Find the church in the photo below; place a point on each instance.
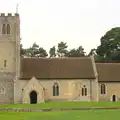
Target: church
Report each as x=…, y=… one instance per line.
x=37, y=80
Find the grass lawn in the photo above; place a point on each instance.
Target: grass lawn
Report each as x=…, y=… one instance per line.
x=72, y=115
x=64, y=105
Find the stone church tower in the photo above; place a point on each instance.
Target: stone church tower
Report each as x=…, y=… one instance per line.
x=9, y=55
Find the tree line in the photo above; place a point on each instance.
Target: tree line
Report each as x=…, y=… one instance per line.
x=60, y=51
x=108, y=50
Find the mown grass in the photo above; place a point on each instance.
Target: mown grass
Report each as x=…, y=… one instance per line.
x=64, y=105
x=68, y=115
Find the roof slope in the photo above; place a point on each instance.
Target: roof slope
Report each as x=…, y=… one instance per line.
x=48, y=68
x=108, y=72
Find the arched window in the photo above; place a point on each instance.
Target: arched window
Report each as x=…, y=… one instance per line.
x=8, y=29
x=103, y=89
x=3, y=29
x=84, y=91
x=5, y=63
x=55, y=89
x=114, y=98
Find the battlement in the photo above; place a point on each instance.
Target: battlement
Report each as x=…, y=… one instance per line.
x=9, y=14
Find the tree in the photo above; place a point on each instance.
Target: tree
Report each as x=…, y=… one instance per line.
x=92, y=52
x=42, y=52
x=95, y=55
x=62, y=49
x=52, y=52
x=109, y=49
x=72, y=53
x=33, y=51
x=79, y=52
x=22, y=50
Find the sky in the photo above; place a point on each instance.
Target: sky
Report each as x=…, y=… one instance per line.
x=76, y=22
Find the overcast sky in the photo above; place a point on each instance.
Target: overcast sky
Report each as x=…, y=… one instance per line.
x=77, y=22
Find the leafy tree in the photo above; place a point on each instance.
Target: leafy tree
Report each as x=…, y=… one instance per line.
x=79, y=52
x=95, y=55
x=29, y=52
x=62, y=49
x=42, y=52
x=72, y=53
x=92, y=52
x=52, y=52
x=22, y=50
x=33, y=51
x=109, y=49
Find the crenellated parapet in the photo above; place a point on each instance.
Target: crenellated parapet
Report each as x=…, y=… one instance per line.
x=9, y=14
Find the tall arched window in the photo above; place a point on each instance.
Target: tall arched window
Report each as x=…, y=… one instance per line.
x=84, y=91
x=103, y=89
x=8, y=29
x=3, y=29
x=5, y=63
x=55, y=89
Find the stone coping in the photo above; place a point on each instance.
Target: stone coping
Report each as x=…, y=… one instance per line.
x=53, y=109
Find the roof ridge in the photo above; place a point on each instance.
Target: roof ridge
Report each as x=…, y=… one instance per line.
x=107, y=63
x=58, y=58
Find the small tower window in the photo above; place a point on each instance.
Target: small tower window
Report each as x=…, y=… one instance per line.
x=8, y=29
x=3, y=29
x=5, y=63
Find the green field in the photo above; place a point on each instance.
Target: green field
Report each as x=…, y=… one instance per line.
x=64, y=105
x=73, y=115
x=66, y=115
